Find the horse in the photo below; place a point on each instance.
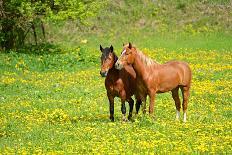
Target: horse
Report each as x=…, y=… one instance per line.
x=118, y=83
x=153, y=78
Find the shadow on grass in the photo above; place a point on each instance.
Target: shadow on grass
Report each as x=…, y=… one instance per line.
x=140, y=119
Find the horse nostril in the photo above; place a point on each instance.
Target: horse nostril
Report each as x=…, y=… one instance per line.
x=103, y=74
x=117, y=66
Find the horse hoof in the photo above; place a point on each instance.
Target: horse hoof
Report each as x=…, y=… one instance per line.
x=124, y=120
x=131, y=119
x=112, y=119
x=152, y=117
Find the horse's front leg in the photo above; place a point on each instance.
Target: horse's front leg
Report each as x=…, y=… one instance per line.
x=131, y=104
x=152, y=102
x=111, y=102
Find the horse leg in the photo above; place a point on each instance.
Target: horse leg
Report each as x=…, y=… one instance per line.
x=176, y=98
x=144, y=105
x=123, y=106
x=152, y=102
x=123, y=109
x=131, y=104
x=138, y=104
x=185, y=93
x=111, y=101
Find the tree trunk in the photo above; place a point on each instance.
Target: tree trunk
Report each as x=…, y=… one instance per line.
x=7, y=28
x=20, y=38
x=8, y=36
x=43, y=29
x=34, y=32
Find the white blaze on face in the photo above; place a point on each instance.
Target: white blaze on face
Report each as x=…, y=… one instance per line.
x=118, y=63
x=123, y=52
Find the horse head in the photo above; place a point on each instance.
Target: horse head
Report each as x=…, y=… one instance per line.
x=108, y=59
x=127, y=57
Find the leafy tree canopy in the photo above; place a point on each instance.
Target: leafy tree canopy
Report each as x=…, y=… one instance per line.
x=17, y=16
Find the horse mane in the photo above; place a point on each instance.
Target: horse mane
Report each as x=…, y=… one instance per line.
x=145, y=59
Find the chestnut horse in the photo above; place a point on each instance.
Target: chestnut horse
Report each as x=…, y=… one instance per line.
x=155, y=78
x=118, y=83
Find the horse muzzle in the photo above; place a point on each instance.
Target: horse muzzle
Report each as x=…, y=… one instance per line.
x=118, y=65
x=103, y=74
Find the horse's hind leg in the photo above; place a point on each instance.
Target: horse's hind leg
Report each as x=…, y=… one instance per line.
x=176, y=98
x=144, y=105
x=131, y=104
x=123, y=106
x=123, y=109
x=185, y=93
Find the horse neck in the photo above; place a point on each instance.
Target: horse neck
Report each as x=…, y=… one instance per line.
x=140, y=66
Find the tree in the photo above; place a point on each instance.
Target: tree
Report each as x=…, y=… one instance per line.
x=20, y=16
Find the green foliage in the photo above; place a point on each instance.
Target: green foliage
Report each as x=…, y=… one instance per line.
x=19, y=16
x=60, y=10
x=72, y=9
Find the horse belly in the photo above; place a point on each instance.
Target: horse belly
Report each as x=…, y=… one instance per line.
x=168, y=82
x=164, y=87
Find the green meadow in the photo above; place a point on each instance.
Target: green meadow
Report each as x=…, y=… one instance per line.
x=53, y=99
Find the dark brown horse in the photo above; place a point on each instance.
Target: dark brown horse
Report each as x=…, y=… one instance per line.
x=118, y=83
x=153, y=78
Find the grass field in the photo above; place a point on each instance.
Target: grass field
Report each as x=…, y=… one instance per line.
x=56, y=103
x=53, y=99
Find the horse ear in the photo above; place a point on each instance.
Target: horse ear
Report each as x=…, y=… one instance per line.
x=101, y=48
x=111, y=48
x=130, y=45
